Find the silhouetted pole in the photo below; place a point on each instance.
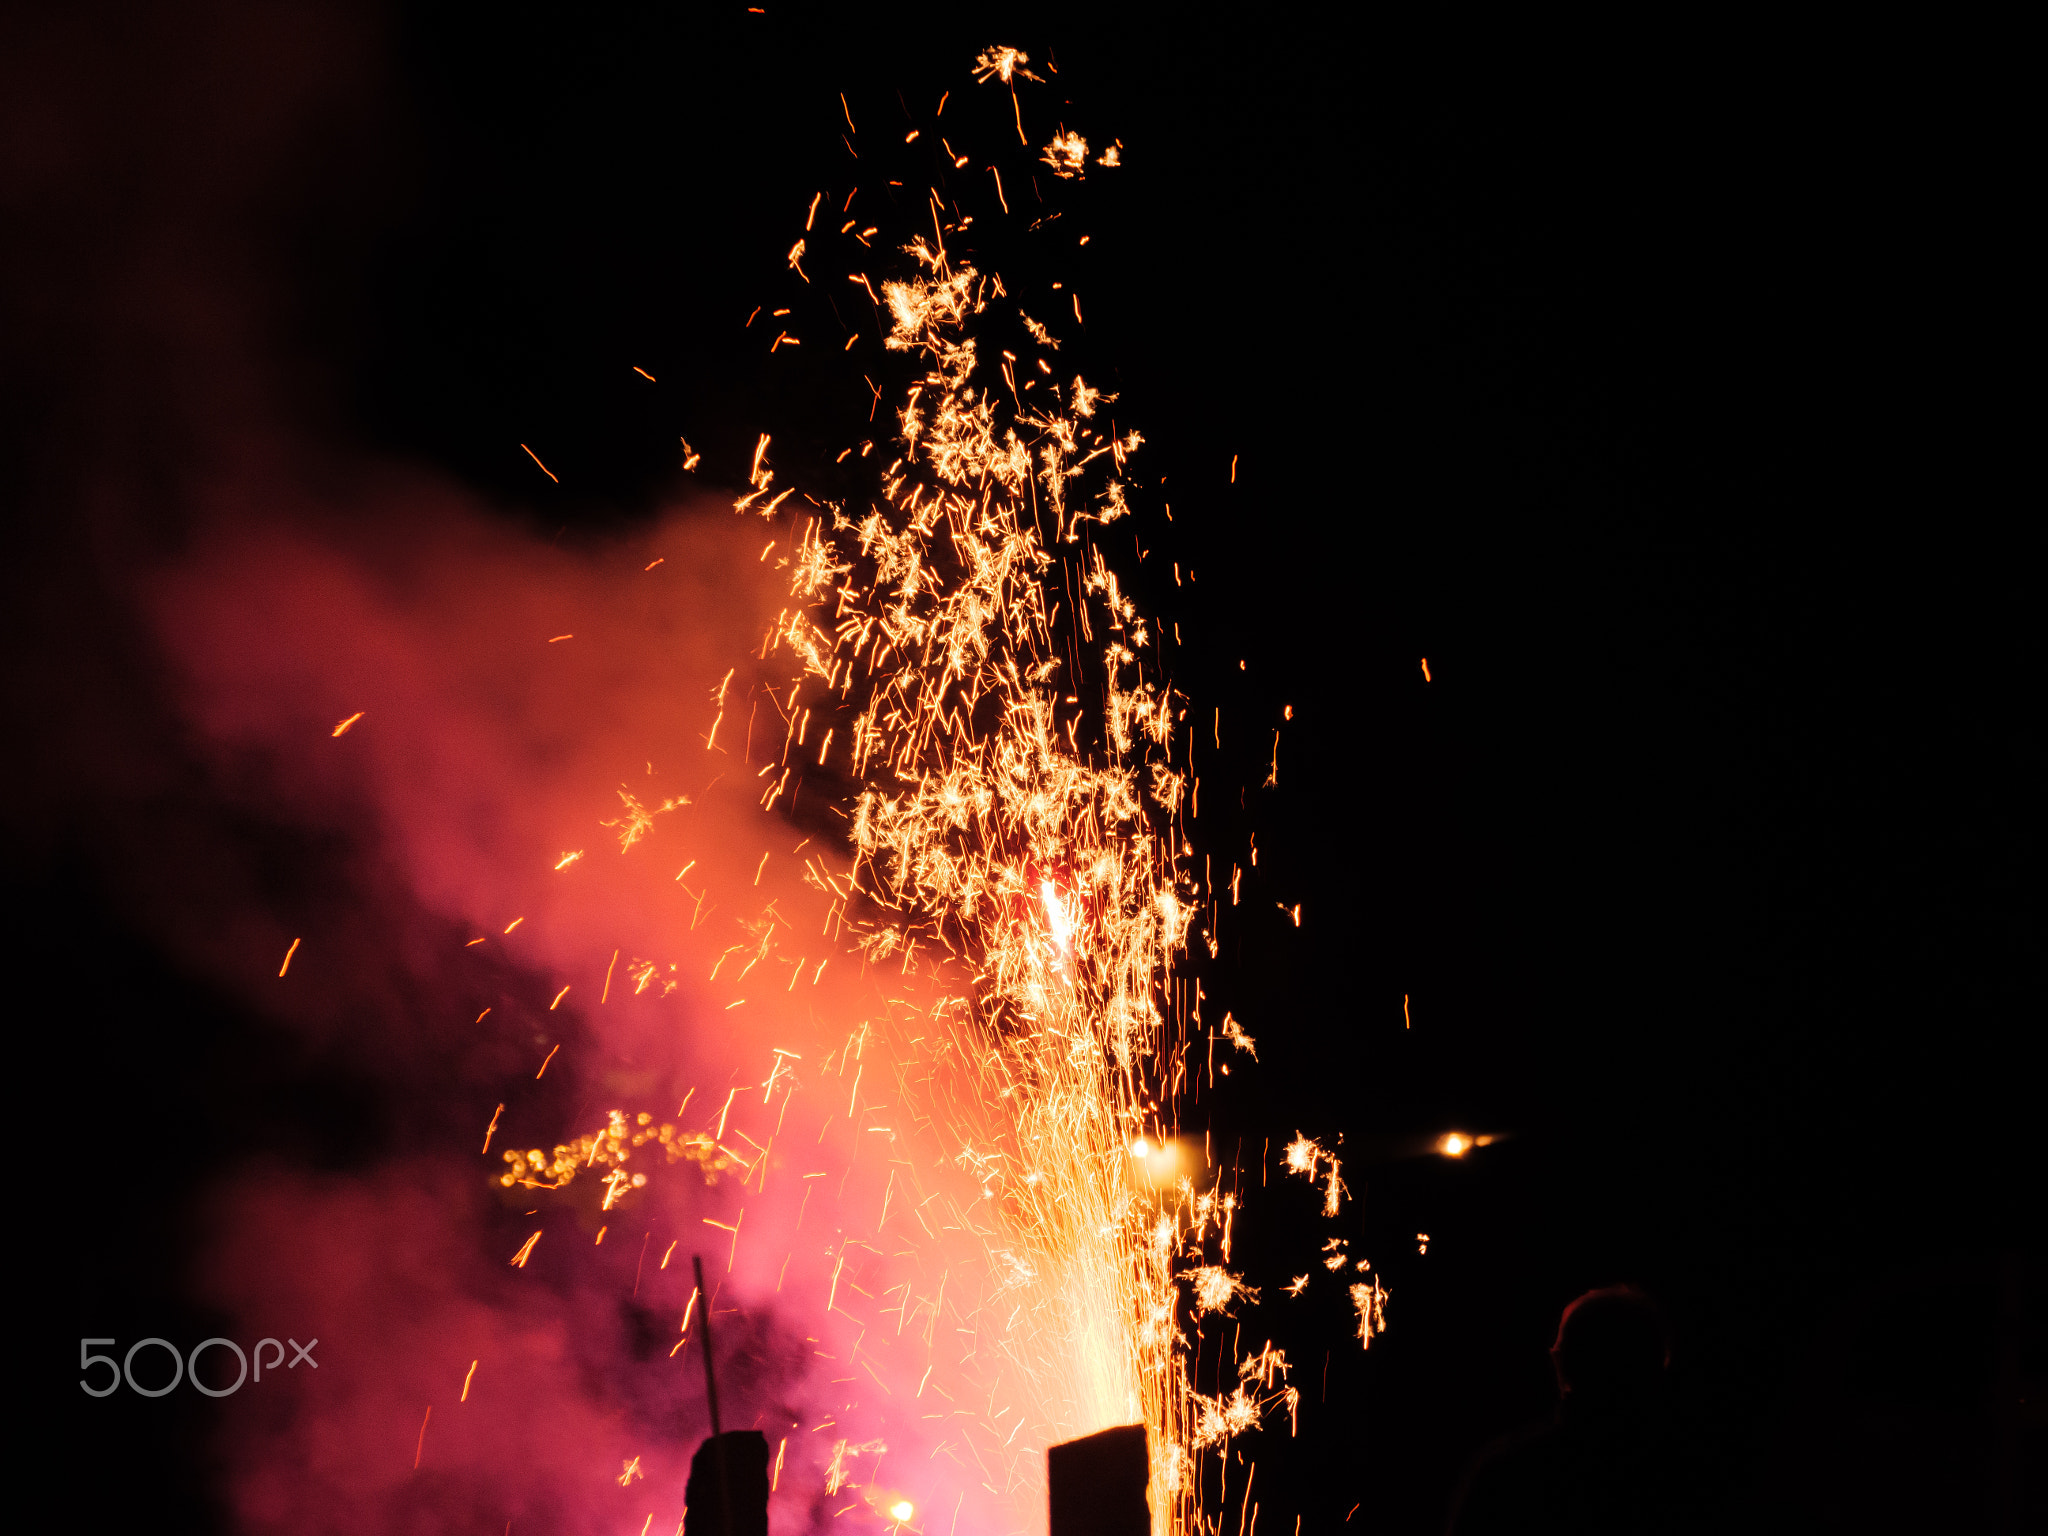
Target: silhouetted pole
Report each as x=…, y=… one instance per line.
x=711, y=1392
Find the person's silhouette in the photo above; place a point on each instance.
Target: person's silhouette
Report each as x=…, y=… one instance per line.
x=1609, y=1461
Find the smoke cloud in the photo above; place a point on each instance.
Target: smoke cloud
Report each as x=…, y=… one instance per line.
x=503, y=787
x=530, y=883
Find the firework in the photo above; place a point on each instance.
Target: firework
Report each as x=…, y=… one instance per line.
x=1031, y=1246
x=1019, y=845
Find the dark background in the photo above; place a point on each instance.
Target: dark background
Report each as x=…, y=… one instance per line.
x=1655, y=389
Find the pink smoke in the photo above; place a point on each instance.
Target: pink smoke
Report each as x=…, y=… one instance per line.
x=221, y=578
x=487, y=750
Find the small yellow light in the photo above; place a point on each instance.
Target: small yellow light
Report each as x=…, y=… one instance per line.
x=901, y=1510
x=1454, y=1145
x=1141, y=1148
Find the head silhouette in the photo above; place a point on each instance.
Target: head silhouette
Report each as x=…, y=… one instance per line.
x=1612, y=1350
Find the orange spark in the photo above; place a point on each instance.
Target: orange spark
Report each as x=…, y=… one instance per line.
x=342, y=729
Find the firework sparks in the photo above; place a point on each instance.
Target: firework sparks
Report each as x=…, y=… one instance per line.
x=1031, y=872
x=985, y=1202
x=1021, y=854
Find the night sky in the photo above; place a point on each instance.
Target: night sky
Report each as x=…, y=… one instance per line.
x=1656, y=389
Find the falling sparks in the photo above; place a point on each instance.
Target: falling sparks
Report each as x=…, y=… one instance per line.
x=543, y=468
x=288, y=957
x=341, y=729
x=1234, y=1033
x=1305, y=1157
x=1369, y=1300
x=1067, y=154
x=1003, y=64
x=1216, y=1288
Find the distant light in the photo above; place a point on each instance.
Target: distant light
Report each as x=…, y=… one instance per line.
x=1141, y=1148
x=901, y=1510
x=1455, y=1145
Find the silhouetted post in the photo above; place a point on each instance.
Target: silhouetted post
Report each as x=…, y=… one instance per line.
x=741, y=1455
x=1097, y=1484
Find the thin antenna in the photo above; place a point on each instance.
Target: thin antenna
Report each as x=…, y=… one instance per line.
x=711, y=1392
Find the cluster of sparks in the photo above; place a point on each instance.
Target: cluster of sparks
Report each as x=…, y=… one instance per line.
x=1019, y=826
x=963, y=659
x=611, y=1148
x=1035, y=872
